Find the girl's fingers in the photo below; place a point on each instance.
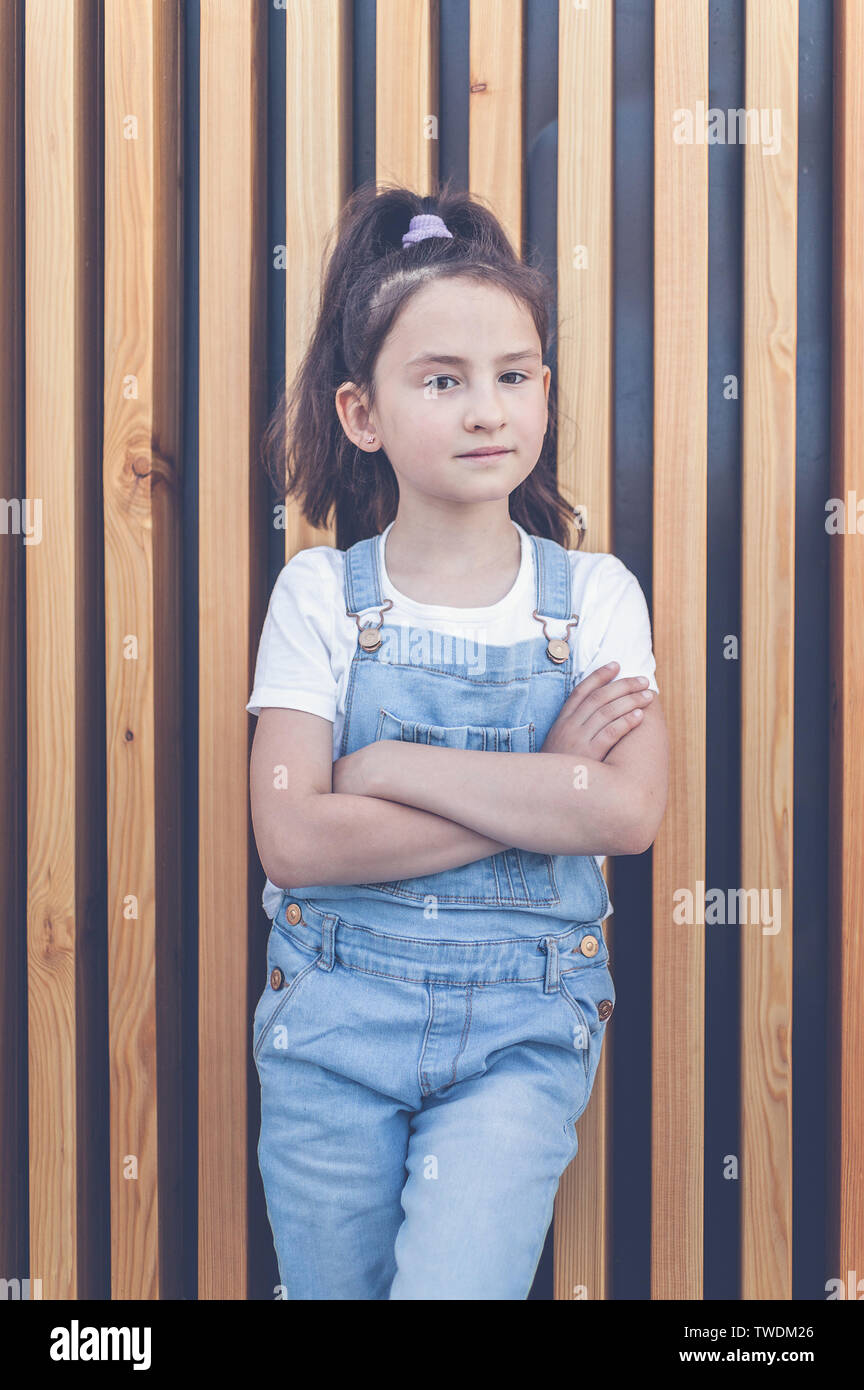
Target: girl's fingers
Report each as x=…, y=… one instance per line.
x=615, y=708
x=595, y=681
x=593, y=694
x=612, y=733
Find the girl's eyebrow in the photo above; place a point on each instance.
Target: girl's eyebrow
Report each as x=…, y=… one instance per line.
x=444, y=359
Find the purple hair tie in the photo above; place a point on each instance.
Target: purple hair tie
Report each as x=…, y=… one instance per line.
x=423, y=225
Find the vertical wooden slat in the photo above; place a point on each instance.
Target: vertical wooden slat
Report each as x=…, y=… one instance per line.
x=231, y=399
x=846, y=909
x=495, y=113
x=142, y=492
x=406, y=93
x=585, y=124
x=317, y=117
x=13, y=803
x=767, y=647
x=65, y=752
x=679, y=589
x=13, y=670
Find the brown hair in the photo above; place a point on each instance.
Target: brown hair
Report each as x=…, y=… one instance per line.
x=368, y=278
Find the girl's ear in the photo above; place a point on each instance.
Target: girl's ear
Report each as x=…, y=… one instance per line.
x=353, y=414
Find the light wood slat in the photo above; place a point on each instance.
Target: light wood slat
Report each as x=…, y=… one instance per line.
x=846, y=907
x=13, y=790
x=585, y=125
x=231, y=403
x=495, y=113
x=318, y=86
x=406, y=93
x=767, y=648
x=679, y=591
x=65, y=748
x=142, y=495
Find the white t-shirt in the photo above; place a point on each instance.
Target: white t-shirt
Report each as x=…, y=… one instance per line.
x=308, y=641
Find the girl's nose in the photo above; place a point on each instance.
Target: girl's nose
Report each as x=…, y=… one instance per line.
x=485, y=411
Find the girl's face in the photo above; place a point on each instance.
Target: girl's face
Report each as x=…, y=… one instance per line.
x=460, y=371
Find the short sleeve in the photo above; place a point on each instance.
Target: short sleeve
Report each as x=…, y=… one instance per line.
x=619, y=624
x=293, y=669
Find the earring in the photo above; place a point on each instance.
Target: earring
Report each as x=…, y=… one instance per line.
x=370, y=439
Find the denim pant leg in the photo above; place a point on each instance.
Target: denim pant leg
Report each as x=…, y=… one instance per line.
x=333, y=1048
x=332, y=1160
x=487, y=1151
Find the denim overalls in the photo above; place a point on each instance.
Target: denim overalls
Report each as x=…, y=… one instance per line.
x=425, y=1045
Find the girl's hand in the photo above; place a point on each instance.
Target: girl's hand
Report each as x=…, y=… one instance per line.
x=597, y=715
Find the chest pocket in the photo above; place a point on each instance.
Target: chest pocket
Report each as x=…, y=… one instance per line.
x=513, y=878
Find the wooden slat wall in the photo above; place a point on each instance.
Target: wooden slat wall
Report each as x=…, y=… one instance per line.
x=64, y=739
x=406, y=92
x=104, y=728
x=495, y=114
x=585, y=125
x=847, y=654
x=679, y=588
x=13, y=788
x=318, y=90
x=143, y=586
x=233, y=256
x=767, y=647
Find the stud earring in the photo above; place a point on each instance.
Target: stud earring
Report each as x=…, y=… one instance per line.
x=370, y=439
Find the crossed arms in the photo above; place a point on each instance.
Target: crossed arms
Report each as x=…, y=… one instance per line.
x=396, y=810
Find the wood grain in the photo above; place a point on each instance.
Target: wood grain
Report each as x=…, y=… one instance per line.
x=65, y=740
x=495, y=113
x=142, y=492
x=13, y=662
x=767, y=648
x=233, y=259
x=585, y=249
x=406, y=93
x=317, y=123
x=679, y=591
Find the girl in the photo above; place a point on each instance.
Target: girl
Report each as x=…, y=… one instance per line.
x=441, y=762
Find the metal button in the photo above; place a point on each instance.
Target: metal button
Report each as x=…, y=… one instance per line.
x=558, y=649
x=369, y=639
x=589, y=946
x=276, y=978
x=604, y=1009
x=293, y=913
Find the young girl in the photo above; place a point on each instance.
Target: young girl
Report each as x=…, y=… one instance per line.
x=442, y=759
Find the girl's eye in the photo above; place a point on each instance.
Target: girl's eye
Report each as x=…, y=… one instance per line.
x=436, y=379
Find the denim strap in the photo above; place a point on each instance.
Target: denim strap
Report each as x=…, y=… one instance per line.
x=551, y=578
x=362, y=576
